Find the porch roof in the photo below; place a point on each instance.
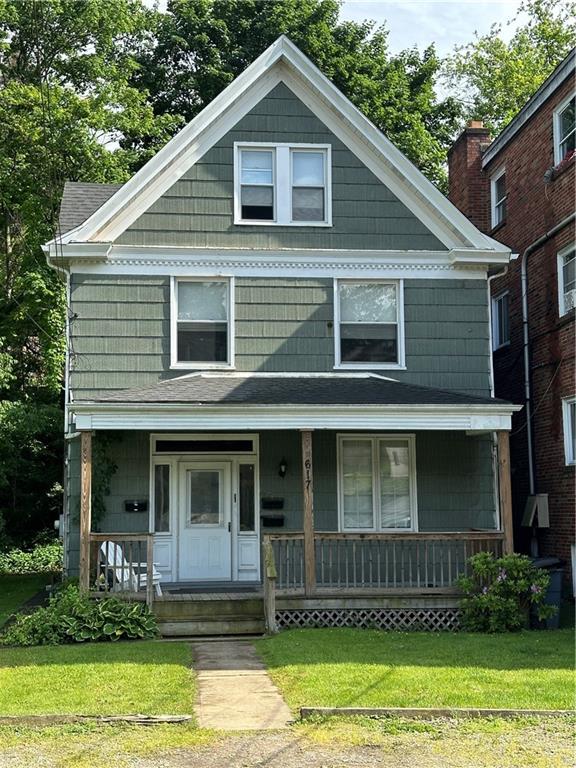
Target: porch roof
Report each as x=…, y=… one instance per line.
x=223, y=401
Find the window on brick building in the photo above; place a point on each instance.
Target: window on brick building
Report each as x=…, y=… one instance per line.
x=565, y=129
x=500, y=321
x=498, y=197
x=569, y=422
x=567, y=279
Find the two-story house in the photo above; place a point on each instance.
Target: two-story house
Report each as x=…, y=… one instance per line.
x=521, y=188
x=279, y=333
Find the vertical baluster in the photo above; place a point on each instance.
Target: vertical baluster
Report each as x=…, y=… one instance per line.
x=450, y=563
x=330, y=572
x=362, y=545
x=354, y=564
x=133, y=583
x=418, y=563
x=410, y=572
x=379, y=574
x=434, y=569
x=370, y=558
x=426, y=574
x=302, y=561
x=394, y=576
x=321, y=557
x=442, y=565
x=387, y=552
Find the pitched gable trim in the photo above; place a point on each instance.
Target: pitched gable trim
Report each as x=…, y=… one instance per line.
x=319, y=94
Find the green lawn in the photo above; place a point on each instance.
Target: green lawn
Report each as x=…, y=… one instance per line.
x=368, y=668
x=16, y=590
x=145, y=677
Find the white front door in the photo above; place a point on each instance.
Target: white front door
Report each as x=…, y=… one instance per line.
x=204, y=521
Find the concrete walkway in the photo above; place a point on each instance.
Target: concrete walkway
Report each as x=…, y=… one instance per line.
x=235, y=692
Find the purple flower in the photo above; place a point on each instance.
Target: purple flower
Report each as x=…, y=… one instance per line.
x=502, y=575
x=535, y=589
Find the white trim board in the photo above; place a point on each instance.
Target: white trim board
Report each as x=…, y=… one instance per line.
x=340, y=115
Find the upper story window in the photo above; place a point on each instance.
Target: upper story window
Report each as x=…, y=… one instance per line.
x=201, y=318
x=569, y=424
x=369, y=324
x=282, y=184
x=567, y=279
x=498, y=197
x=564, y=129
x=500, y=321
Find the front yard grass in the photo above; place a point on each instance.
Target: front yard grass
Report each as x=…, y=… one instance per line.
x=146, y=677
x=16, y=590
x=369, y=668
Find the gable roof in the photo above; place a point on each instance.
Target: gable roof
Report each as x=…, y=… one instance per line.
x=80, y=201
x=282, y=62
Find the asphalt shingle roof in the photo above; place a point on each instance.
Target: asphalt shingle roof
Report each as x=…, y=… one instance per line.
x=291, y=390
x=80, y=200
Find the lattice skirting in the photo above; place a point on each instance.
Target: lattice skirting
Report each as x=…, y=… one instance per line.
x=423, y=619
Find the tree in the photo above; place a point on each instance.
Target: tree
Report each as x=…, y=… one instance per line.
x=497, y=78
x=65, y=104
x=200, y=46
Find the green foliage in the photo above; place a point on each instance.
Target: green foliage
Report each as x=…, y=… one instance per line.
x=500, y=591
x=44, y=558
x=72, y=617
x=200, y=46
x=498, y=77
x=103, y=468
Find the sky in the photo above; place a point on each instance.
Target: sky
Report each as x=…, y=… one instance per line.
x=446, y=23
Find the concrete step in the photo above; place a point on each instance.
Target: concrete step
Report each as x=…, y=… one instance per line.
x=206, y=610
x=235, y=625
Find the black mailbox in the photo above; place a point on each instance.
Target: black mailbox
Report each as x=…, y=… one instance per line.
x=136, y=506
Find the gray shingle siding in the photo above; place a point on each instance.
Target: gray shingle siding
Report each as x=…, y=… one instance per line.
x=197, y=210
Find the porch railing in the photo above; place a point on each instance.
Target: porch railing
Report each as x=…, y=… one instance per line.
x=122, y=563
x=415, y=561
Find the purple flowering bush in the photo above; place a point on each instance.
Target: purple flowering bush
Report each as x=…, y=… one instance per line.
x=499, y=592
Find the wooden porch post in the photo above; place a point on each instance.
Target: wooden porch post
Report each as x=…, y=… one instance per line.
x=505, y=491
x=85, y=507
x=308, y=522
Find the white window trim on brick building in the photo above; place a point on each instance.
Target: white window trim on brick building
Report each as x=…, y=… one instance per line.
x=568, y=405
x=566, y=296
x=560, y=139
x=498, y=207
x=501, y=320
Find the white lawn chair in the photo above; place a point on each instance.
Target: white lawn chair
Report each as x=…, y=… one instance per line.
x=127, y=576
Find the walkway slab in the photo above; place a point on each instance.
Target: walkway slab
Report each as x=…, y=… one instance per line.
x=235, y=692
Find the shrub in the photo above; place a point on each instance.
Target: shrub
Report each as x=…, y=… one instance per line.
x=71, y=617
x=44, y=558
x=499, y=593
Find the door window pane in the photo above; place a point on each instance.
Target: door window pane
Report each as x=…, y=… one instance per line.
x=162, y=498
x=357, y=484
x=203, y=497
x=246, y=497
x=394, y=485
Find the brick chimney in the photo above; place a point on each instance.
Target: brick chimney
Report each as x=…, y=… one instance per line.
x=468, y=185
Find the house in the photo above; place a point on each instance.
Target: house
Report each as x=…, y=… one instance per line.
x=279, y=340
x=520, y=188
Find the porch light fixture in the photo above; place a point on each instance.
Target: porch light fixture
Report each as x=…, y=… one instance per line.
x=282, y=467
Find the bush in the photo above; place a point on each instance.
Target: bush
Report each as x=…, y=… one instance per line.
x=44, y=558
x=71, y=617
x=500, y=592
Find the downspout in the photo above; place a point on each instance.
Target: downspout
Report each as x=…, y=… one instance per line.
x=526, y=340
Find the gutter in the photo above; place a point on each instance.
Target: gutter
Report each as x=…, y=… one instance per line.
x=526, y=339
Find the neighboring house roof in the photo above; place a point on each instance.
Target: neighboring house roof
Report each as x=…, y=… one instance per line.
x=80, y=201
x=305, y=389
x=282, y=62
x=564, y=70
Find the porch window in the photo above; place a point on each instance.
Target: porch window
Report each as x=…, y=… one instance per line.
x=369, y=324
x=162, y=498
x=377, y=483
x=201, y=323
x=246, y=498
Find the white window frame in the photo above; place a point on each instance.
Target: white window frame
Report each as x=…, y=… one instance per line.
x=282, y=176
x=569, y=457
x=562, y=310
x=497, y=342
x=495, y=203
x=401, y=362
x=558, y=140
x=410, y=439
x=200, y=365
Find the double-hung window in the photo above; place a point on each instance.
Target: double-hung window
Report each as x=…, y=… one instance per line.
x=498, y=197
x=569, y=424
x=377, y=482
x=369, y=324
x=565, y=129
x=567, y=279
x=500, y=321
x=201, y=323
x=282, y=184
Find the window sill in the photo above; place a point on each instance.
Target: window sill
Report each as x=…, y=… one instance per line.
x=566, y=318
x=199, y=367
x=370, y=367
x=506, y=345
x=242, y=223
x=497, y=227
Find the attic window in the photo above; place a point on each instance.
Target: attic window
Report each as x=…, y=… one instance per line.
x=282, y=184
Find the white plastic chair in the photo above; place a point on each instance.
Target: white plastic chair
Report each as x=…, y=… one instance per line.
x=124, y=574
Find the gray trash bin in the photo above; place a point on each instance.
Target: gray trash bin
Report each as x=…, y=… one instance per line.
x=554, y=592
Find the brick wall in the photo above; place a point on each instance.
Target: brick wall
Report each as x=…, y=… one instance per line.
x=535, y=204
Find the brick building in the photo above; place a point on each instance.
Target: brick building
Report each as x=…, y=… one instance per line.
x=520, y=189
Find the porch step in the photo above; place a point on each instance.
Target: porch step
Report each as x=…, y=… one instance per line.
x=192, y=617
